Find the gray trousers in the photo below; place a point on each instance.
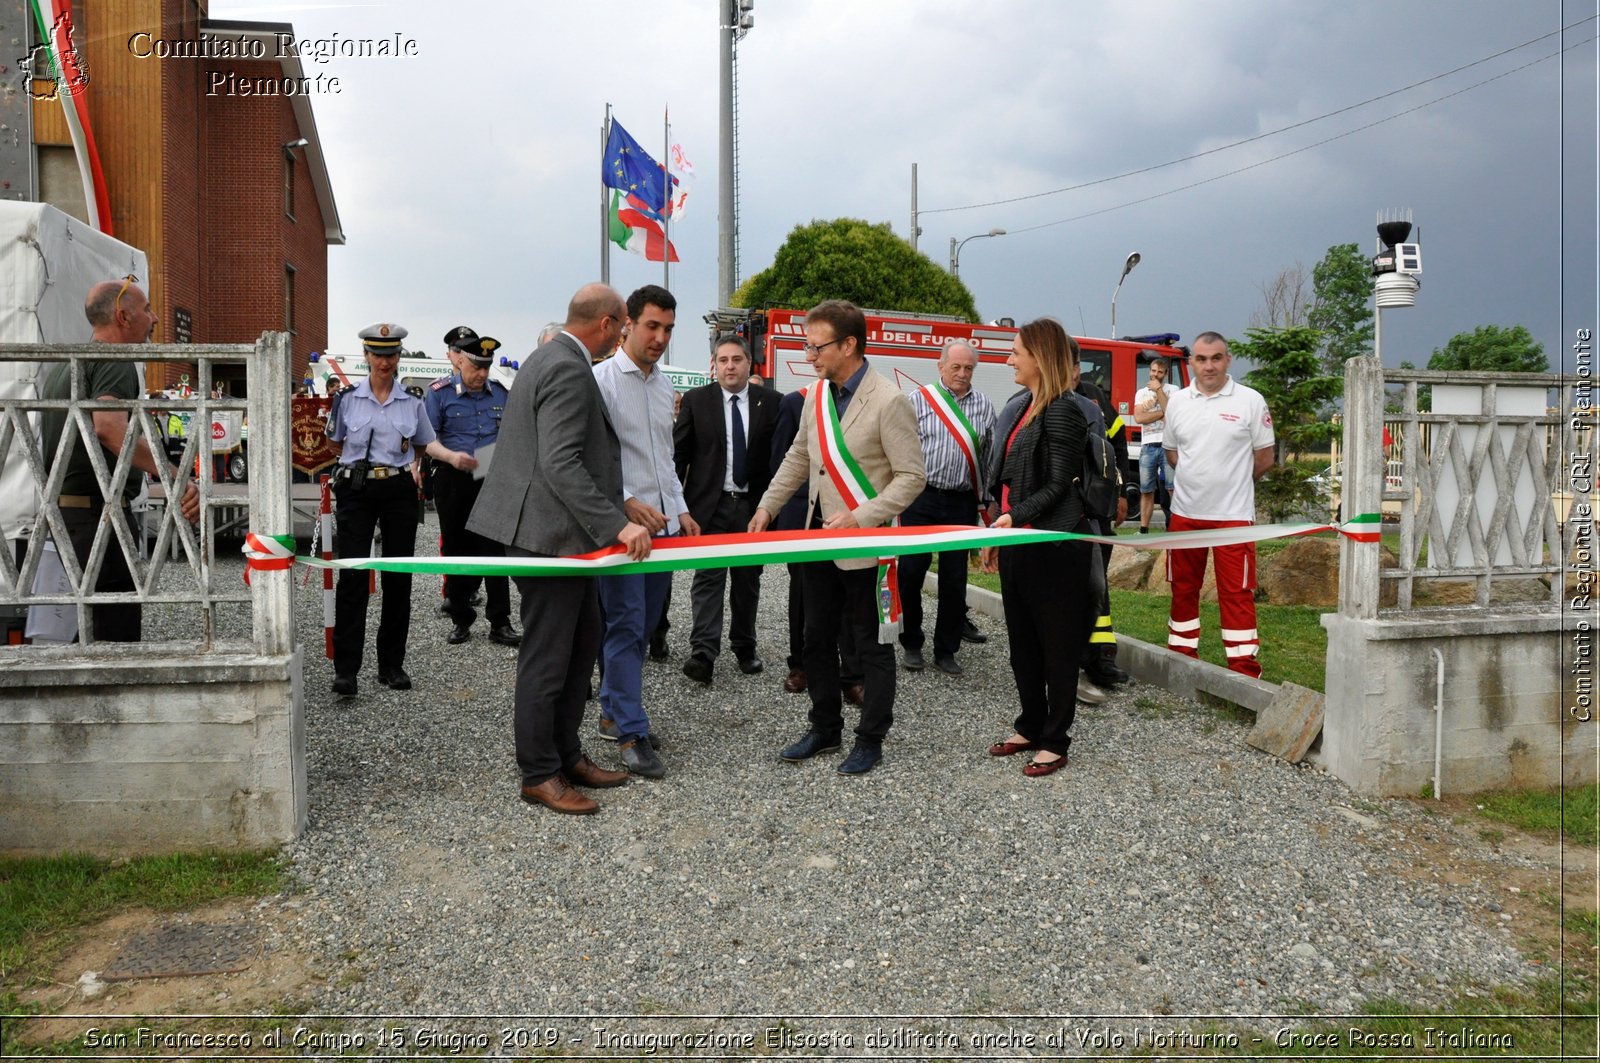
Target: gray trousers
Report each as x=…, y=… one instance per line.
x=706, y=591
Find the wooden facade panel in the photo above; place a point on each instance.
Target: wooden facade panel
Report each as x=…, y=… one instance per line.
x=50, y=124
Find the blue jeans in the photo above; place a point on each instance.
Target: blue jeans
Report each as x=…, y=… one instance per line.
x=1153, y=469
x=632, y=606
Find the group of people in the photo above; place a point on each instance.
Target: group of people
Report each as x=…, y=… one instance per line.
x=590, y=451
x=594, y=450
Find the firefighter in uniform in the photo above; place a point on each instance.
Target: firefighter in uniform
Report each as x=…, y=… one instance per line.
x=381, y=429
x=465, y=411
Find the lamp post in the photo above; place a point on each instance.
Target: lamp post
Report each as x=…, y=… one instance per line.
x=955, y=249
x=1127, y=268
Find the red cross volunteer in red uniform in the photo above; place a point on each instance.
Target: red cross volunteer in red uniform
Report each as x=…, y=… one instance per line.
x=1219, y=442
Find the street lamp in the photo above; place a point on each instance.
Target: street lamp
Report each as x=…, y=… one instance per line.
x=1127, y=268
x=955, y=249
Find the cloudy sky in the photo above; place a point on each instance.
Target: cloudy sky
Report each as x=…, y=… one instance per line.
x=467, y=177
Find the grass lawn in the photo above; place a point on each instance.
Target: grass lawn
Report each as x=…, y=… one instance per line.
x=44, y=899
x=1294, y=648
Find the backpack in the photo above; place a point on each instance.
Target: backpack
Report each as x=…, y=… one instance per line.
x=1098, y=481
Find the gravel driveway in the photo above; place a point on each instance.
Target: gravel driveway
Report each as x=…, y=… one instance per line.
x=1171, y=870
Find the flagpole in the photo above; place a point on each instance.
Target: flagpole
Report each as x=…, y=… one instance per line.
x=666, y=213
x=605, y=204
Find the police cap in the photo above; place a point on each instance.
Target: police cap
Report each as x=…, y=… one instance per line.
x=461, y=337
x=480, y=352
x=383, y=338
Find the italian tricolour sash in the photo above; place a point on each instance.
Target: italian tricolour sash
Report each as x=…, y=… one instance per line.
x=854, y=487
x=948, y=410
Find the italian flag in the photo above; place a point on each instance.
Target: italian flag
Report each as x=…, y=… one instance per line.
x=632, y=231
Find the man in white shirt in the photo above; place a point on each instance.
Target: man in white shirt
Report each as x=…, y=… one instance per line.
x=640, y=401
x=1220, y=433
x=1150, y=412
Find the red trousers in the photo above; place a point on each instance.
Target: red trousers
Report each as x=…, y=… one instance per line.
x=1236, y=584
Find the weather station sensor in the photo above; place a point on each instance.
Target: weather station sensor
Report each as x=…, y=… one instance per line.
x=1395, y=266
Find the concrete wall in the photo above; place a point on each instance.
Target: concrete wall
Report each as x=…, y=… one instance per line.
x=151, y=755
x=1503, y=722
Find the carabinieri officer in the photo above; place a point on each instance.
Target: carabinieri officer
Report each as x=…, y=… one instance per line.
x=465, y=411
x=382, y=429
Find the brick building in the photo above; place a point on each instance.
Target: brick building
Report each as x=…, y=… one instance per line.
x=213, y=167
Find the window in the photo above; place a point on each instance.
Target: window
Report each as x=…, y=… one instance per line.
x=288, y=184
x=288, y=297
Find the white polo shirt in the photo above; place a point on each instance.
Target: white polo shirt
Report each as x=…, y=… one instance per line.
x=1216, y=437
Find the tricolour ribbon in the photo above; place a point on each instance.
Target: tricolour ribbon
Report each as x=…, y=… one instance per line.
x=681, y=553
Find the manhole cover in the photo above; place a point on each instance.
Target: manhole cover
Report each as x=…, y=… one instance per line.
x=184, y=950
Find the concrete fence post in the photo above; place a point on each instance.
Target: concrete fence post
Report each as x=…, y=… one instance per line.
x=1361, y=486
x=270, y=508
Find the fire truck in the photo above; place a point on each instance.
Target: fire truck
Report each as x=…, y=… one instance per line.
x=905, y=348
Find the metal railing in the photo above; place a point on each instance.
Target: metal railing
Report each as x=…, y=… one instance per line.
x=1477, y=492
x=180, y=570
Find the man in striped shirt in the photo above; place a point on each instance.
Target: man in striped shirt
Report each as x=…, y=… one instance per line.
x=640, y=401
x=955, y=423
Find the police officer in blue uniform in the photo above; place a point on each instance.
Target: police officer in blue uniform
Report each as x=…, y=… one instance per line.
x=465, y=411
x=381, y=429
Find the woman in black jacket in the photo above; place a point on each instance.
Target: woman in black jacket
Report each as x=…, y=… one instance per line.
x=1044, y=586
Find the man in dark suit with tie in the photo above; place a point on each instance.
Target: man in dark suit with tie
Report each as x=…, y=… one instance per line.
x=723, y=447
x=555, y=488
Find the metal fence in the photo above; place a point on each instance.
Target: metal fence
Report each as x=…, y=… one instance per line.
x=1482, y=490
x=179, y=569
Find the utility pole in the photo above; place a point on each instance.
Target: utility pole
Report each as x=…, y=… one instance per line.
x=916, y=230
x=733, y=22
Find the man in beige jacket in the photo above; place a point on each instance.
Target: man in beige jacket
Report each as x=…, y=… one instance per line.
x=877, y=432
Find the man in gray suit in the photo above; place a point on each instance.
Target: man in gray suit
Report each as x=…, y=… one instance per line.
x=555, y=488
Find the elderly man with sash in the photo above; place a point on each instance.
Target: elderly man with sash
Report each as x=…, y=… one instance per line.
x=858, y=454
x=955, y=423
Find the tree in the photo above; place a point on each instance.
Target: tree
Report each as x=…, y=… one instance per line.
x=1490, y=348
x=1283, y=299
x=1341, y=307
x=869, y=265
x=1290, y=376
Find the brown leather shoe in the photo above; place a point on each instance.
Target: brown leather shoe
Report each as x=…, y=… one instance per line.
x=796, y=683
x=587, y=773
x=855, y=693
x=556, y=795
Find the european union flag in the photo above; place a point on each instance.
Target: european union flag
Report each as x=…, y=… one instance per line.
x=629, y=169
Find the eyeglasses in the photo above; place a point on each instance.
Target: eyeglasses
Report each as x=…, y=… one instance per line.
x=813, y=349
x=126, y=283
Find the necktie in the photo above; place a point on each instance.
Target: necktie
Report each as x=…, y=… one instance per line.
x=740, y=477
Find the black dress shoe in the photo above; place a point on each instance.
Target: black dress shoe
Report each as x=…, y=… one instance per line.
x=344, y=686
x=462, y=633
x=970, y=633
x=698, y=667
x=947, y=664
x=395, y=680
x=809, y=745
x=505, y=635
x=658, y=648
x=751, y=665
x=915, y=662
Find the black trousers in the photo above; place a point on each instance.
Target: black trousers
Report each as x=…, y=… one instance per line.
x=707, y=588
x=849, y=659
x=454, y=494
x=936, y=506
x=112, y=623
x=389, y=506
x=837, y=599
x=560, y=642
x=1049, y=608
